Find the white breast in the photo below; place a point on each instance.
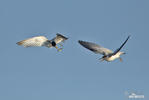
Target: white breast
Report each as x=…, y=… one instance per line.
x=112, y=57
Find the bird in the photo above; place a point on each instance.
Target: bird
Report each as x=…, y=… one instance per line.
x=39, y=41
x=108, y=55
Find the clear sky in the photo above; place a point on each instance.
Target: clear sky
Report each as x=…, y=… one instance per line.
x=75, y=73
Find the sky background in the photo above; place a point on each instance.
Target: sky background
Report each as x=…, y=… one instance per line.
x=75, y=73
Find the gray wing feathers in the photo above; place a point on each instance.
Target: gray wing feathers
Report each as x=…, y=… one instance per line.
x=59, y=38
x=34, y=41
x=95, y=48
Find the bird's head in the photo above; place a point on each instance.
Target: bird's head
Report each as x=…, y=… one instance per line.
x=121, y=53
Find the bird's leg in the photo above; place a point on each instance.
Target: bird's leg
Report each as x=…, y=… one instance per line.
x=58, y=49
x=61, y=45
x=121, y=59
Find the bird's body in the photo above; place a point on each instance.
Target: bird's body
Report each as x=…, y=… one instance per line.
x=108, y=54
x=39, y=41
x=113, y=57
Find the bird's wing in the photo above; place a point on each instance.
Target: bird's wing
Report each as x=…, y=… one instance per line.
x=117, y=50
x=59, y=38
x=95, y=48
x=34, y=41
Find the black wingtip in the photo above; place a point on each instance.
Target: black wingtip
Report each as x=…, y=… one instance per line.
x=80, y=41
x=128, y=37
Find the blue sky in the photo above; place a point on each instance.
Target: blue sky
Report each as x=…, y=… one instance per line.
x=75, y=73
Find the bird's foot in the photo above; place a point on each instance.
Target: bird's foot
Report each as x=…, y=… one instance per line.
x=121, y=60
x=60, y=49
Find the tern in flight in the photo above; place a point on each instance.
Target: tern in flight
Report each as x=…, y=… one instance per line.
x=39, y=41
x=108, y=55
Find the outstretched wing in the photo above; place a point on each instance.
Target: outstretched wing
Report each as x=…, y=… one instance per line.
x=34, y=41
x=117, y=50
x=95, y=48
x=59, y=38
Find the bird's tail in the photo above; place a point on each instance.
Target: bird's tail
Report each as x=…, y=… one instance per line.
x=101, y=59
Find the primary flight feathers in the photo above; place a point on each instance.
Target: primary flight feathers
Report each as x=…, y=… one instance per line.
x=34, y=41
x=95, y=48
